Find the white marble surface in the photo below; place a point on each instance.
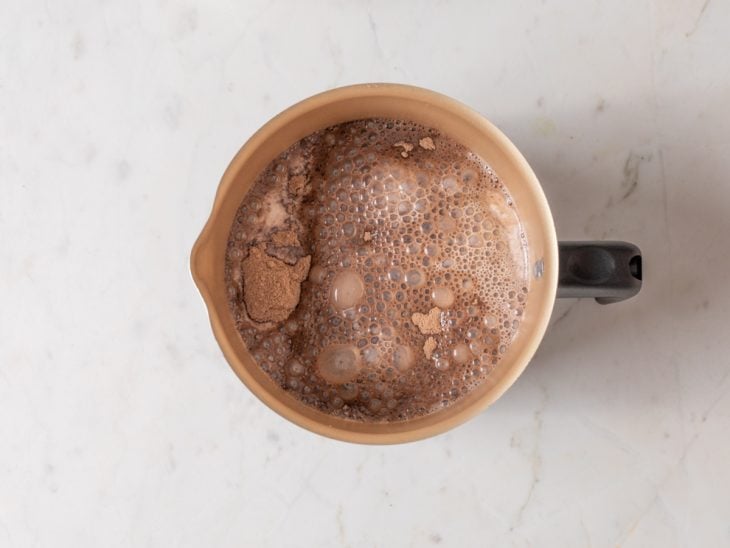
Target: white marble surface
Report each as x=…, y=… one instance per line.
x=121, y=424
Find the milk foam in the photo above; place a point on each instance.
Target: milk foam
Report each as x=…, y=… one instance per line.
x=392, y=231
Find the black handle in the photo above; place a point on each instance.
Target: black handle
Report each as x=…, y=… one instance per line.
x=608, y=271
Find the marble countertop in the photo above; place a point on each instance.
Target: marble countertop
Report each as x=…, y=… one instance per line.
x=122, y=425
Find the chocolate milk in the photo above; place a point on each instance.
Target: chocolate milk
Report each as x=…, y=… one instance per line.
x=377, y=270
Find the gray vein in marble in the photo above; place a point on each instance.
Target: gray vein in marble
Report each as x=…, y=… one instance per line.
x=536, y=463
x=78, y=47
x=188, y=22
x=630, y=530
x=681, y=462
x=565, y=314
x=359, y=469
x=611, y=437
x=123, y=169
x=307, y=482
x=586, y=531
x=341, y=526
x=698, y=19
x=435, y=538
x=243, y=32
x=665, y=206
x=721, y=393
x=49, y=473
x=171, y=460
x=90, y=153
x=376, y=38
x=172, y=113
x=631, y=173
x=336, y=56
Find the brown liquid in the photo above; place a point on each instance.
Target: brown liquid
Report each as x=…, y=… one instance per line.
x=377, y=270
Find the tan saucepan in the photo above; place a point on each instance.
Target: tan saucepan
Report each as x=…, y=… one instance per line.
x=476, y=133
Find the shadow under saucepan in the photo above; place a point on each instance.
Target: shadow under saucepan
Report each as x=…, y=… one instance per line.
x=667, y=197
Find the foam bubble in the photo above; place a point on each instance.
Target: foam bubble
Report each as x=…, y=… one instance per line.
x=446, y=224
x=339, y=363
x=348, y=391
x=403, y=357
x=347, y=289
x=450, y=185
x=442, y=364
x=490, y=321
x=295, y=367
x=432, y=250
x=415, y=278
x=317, y=274
x=442, y=296
x=461, y=353
x=476, y=347
x=395, y=274
x=370, y=355
x=475, y=240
